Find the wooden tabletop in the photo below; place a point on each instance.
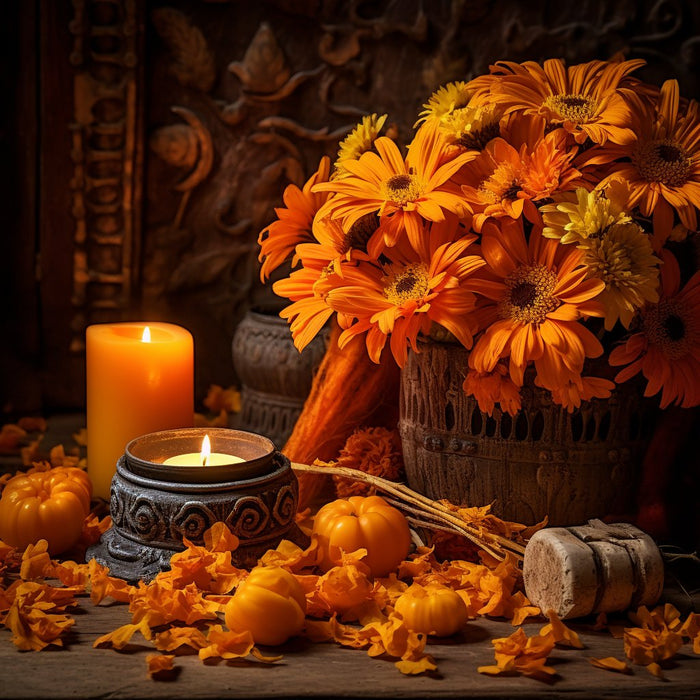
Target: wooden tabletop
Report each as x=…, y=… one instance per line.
x=325, y=670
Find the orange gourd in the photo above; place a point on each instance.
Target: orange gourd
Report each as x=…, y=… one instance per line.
x=369, y=522
x=432, y=609
x=270, y=603
x=50, y=505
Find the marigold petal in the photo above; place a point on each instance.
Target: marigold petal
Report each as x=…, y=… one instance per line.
x=610, y=663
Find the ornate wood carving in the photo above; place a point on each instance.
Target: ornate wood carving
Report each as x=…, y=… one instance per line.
x=107, y=154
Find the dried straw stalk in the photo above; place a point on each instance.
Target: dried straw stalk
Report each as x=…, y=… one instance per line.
x=422, y=511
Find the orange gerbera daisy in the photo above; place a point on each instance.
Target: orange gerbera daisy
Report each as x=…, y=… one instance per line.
x=278, y=240
x=405, y=297
x=505, y=181
x=403, y=192
x=662, y=164
x=535, y=298
x=586, y=100
x=307, y=289
x=667, y=348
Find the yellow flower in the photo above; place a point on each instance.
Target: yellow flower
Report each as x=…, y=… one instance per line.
x=623, y=258
x=580, y=215
x=444, y=101
x=358, y=141
x=473, y=126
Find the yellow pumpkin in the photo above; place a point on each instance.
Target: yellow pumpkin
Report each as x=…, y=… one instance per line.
x=432, y=609
x=270, y=603
x=362, y=522
x=50, y=505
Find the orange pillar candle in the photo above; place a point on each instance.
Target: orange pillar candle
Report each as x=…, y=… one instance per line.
x=136, y=384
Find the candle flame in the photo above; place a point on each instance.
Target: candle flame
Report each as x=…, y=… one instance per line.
x=146, y=337
x=206, y=450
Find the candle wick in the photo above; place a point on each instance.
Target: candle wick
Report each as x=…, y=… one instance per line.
x=204, y=460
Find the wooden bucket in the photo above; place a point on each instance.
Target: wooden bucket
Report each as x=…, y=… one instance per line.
x=570, y=467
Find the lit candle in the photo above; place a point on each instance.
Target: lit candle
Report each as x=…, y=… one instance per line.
x=205, y=458
x=140, y=379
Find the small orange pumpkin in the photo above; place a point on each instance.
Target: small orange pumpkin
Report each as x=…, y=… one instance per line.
x=432, y=609
x=50, y=505
x=362, y=522
x=270, y=603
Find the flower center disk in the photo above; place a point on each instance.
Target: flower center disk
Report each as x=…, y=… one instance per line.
x=663, y=161
x=401, y=189
x=410, y=284
x=529, y=294
x=669, y=328
x=576, y=108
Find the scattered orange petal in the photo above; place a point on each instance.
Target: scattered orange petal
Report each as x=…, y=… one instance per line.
x=218, y=538
x=36, y=562
x=176, y=637
x=655, y=670
x=520, y=654
x=94, y=528
x=159, y=664
x=11, y=437
x=32, y=424
x=610, y=663
x=561, y=633
x=646, y=646
x=103, y=586
x=121, y=636
x=81, y=437
x=219, y=399
x=691, y=630
x=290, y=556
x=59, y=458
x=225, y=644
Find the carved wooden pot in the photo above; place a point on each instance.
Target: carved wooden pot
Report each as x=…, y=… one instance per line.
x=544, y=462
x=275, y=377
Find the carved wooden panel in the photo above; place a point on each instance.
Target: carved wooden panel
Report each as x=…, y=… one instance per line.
x=169, y=129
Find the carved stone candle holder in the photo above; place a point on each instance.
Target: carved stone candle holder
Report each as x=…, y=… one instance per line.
x=154, y=506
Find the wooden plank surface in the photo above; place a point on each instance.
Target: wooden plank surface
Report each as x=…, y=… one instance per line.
x=325, y=670
x=317, y=670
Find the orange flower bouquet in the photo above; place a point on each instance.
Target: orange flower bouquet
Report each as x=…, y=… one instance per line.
x=541, y=216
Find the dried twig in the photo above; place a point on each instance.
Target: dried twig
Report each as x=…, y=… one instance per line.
x=424, y=512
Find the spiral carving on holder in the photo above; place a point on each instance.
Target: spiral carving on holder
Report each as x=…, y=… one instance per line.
x=285, y=505
x=145, y=520
x=249, y=518
x=192, y=521
x=116, y=506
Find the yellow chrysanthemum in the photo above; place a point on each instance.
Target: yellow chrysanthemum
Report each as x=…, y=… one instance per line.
x=581, y=215
x=472, y=127
x=444, y=101
x=623, y=258
x=358, y=141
